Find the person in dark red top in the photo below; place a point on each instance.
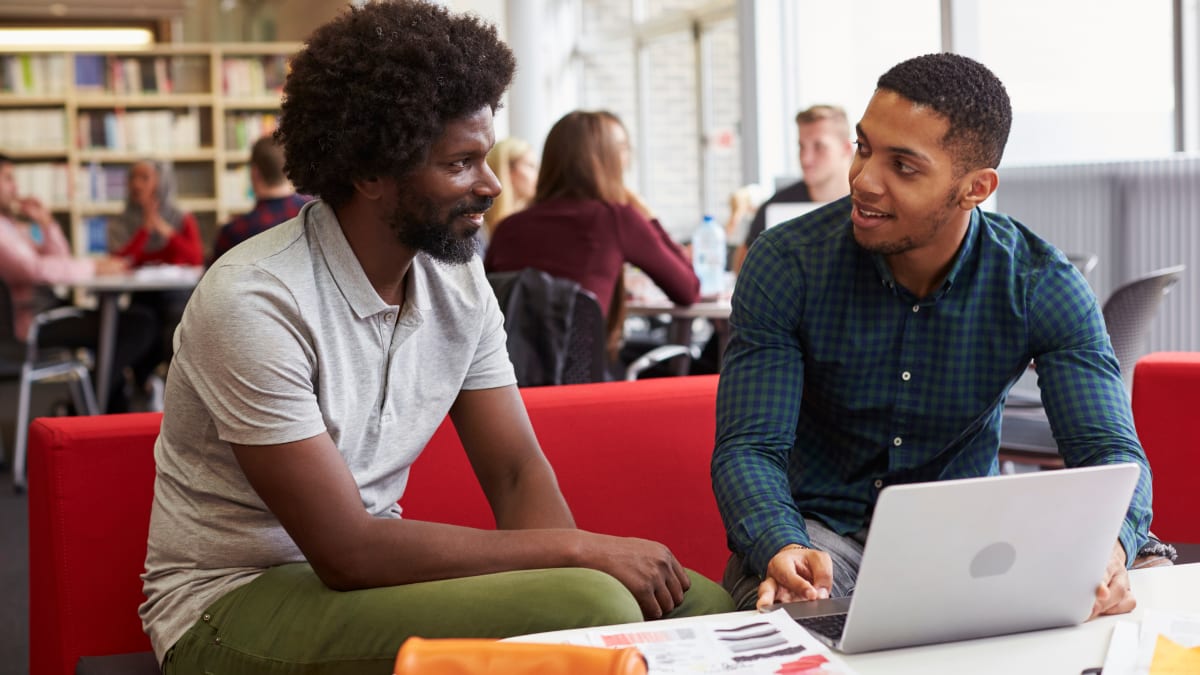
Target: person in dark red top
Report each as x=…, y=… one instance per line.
x=153, y=230
x=276, y=199
x=585, y=224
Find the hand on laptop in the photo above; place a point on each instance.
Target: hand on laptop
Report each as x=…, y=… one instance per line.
x=1114, y=596
x=796, y=573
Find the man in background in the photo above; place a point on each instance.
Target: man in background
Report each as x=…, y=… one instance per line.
x=276, y=199
x=35, y=254
x=825, y=156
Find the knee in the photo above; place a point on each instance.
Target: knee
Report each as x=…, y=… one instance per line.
x=587, y=597
x=704, y=597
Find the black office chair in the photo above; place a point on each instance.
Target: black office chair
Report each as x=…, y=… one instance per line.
x=555, y=328
x=26, y=362
x=1129, y=312
x=556, y=331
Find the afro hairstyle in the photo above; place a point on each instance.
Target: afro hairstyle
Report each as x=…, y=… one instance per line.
x=967, y=94
x=372, y=90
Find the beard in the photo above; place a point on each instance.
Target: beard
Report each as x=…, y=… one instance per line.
x=418, y=225
x=936, y=221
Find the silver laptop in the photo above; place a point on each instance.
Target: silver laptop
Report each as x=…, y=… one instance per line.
x=781, y=212
x=961, y=559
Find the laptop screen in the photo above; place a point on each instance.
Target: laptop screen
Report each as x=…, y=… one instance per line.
x=784, y=211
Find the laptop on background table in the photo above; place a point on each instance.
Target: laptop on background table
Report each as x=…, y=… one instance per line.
x=968, y=558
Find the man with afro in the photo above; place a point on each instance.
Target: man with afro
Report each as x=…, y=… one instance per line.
x=874, y=342
x=316, y=360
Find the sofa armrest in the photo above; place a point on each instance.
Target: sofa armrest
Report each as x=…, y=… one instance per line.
x=91, y=486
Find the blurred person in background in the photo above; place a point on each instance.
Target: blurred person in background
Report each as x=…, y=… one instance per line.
x=585, y=224
x=34, y=254
x=516, y=166
x=825, y=157
x=154, y=230
x=275, y=198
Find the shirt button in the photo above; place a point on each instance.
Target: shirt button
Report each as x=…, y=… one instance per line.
x=906, y=376
x=878, y=483
x=896, y=441
x=389, y=316
x=916, y=308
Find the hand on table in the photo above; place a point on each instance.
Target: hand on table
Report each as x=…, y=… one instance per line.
x=647, y=568
x=109, y=266
x=1113, y=595
x=796, y=573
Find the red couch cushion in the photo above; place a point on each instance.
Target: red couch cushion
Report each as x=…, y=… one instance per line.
x=1166, y=390
x=632, y=459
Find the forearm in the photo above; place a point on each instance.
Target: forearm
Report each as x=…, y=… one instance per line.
x=760, y=514
x=386, y=552
x=530, y=500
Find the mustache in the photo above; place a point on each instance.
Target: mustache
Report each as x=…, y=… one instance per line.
x=463, y=208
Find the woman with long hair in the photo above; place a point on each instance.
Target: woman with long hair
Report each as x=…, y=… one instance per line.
x=516, y=166
x=585, y=224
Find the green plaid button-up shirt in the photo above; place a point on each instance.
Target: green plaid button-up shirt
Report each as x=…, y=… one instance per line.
x=838, y=381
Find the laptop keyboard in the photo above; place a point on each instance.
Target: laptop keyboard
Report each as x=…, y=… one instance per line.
x=830, y=625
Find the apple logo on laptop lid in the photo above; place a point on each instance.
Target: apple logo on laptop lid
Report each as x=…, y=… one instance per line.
x=993, y=560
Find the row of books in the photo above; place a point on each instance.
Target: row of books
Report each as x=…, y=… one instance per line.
x=139, y=131
x=141, y=74
x=98, y=182
x=48, y=181
x=242, y=129
x=33, y=128
x=33, y=74
x=254, y=76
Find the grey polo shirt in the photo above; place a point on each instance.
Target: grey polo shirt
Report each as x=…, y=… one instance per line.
x=285, y=339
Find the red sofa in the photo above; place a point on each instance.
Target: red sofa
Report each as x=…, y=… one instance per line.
x=632, y=459
x=1166, y=390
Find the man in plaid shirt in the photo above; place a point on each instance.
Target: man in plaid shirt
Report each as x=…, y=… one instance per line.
x=875, y=340
x=276, y=201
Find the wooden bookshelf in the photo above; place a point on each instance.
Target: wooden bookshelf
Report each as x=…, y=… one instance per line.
x=76, y=121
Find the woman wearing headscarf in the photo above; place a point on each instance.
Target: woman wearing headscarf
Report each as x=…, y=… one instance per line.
x=153, y=230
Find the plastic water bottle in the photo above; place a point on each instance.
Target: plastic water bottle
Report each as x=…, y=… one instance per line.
x=708, y=256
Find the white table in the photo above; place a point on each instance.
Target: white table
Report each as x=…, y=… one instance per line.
x=1057, y=651
x=108, y=291
x=680, y=331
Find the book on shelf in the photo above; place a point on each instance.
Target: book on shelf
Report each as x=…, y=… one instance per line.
x=244, y=128
x=33, y=74
x=254, y=76
x=97, y=182
x=48, y=181
x=149, y=131
x=89, y=72
x=33, y=128
x=96, y=230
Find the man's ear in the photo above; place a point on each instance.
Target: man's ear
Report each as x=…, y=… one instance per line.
x=371, y=188
x=977, y=186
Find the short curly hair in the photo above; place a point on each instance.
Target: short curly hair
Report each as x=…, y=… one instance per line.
x=966, y=93
x=373, y=89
